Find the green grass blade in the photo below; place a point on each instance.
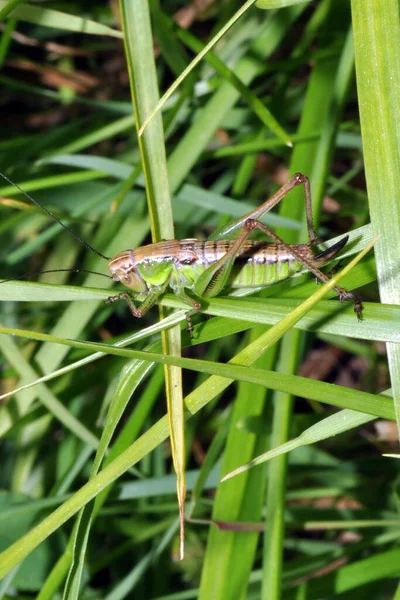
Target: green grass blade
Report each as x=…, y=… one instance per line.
x=376, y=41
x=47, y=17
x=9, y=7
x=333, y=425
x=271, y=4
x=323, y=105
x=144, y=89
x=195, y=62
x=254, y=102
x=266, y=39
x=48, y=399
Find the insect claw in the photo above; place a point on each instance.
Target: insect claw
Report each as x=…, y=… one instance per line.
x=358, y=307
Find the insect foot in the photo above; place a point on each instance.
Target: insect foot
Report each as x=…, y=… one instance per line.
x=358, y=307
x=136, y=312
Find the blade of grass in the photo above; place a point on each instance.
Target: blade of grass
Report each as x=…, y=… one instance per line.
x=9, y=7
x=238, y=503
x=271, y=4
x=267, y=37
x=143, y=82
x=328, y=427
x=48, y=399
x=377, y=42
x=143, y=79
x=195, y=62
x=228, y=75
x=47, y=17
x=326, y=94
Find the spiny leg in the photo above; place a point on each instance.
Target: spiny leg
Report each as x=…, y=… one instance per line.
x=152, y=298
x=342, y=293
x=136, y=312
x=147, y=303
x=294, y=181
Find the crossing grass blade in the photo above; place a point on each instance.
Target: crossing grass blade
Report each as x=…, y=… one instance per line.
x=376, y=40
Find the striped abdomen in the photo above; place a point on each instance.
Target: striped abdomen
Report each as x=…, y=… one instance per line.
x=258, y=264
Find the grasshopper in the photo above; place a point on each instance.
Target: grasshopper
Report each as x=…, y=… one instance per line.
x=196, y=270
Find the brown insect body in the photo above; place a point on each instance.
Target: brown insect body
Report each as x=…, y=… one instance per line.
x=181, y=262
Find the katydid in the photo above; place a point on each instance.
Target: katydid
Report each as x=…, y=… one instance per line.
x=196, y=270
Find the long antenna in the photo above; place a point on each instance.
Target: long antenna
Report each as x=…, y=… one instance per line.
x=88, y=246
x=55, y=271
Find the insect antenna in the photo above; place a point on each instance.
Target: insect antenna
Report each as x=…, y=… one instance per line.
x=55, y=271
x=48, y=212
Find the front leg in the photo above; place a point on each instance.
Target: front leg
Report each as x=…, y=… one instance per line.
x=136, y=312
x=150, y=300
